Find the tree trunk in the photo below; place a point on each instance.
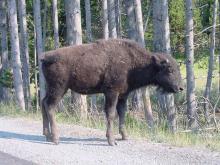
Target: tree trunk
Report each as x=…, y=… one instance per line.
x=118, y=17
x=162, y=44
x=44, y=25
x=4, y=49
x=219, y=55
x=189, y=47
x=105, y=19
x=132, y=34
x=111, y=19
x=131, y=28
x=211, y=60
x=35, y=71
x=74, y=37
x=141, y=41
x=88, y=21
x=24, y=52
x=89, y=39
x=39, y=44
x=15, y=49
x=55, y=25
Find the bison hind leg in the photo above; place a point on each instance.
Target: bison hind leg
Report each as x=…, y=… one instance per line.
x=53, y=96
x=46, y=127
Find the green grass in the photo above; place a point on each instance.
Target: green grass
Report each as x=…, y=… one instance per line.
x=136, y=128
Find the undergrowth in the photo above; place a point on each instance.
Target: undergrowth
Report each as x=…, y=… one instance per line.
x=136, y=127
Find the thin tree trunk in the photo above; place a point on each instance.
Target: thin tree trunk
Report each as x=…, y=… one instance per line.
x=24, y=52
x=118, y=17
x=140, y=39
x=132, y=34
x=55, y=25
x=4, y=48
x=148, y=16
x=131, y=28
x=211, y=59
x=219, y=54
x=111, y=19
x=88, y=21
x=35, y=72
x=162, y=44
x=74, y=37
x=89, y=39
x=39, y=44
x=15, y=49
x=44, y=25
x=105, y=19
x=191, y=102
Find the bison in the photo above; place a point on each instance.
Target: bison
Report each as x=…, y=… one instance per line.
x=113, y=67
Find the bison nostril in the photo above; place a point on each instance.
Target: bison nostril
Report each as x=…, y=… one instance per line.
x=181, y=89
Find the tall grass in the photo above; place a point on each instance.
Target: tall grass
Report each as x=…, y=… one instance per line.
x=135, y=124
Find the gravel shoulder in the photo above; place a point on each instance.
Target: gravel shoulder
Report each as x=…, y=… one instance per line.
x=22, y=139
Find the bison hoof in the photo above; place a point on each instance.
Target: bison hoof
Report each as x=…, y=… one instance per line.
x=124, y=135
x=48, y=138
x=112, y=142
x=55, y=140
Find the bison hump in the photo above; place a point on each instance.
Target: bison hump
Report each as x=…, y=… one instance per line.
x=48, y=60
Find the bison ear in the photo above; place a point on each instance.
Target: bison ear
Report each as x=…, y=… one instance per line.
x=160, y=63
x=155, y=59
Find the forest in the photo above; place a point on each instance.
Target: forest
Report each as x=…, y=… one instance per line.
x=187, y=30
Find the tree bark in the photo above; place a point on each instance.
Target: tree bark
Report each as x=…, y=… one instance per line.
x=211, y=60
x=44, y=25
x=162, y=44
x=118, y=17
x=89, y=39
x=132, y=34
x=105, y=19
x=131, y=28
x=24, y=52
x=39, y=44
x=15, y=49
x=88, y=21
x=4, y=49
x=111, y=19
x=55, y=25
x=74, y=37
x=141, y=41
x=189, y=48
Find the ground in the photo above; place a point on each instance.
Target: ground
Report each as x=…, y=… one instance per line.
x=21, y=142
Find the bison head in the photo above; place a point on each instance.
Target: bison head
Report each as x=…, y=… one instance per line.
x=168, y=75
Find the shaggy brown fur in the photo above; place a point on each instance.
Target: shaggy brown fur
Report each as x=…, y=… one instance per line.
x=113, y=67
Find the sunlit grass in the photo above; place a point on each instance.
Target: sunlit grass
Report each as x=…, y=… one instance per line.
x=137, y=128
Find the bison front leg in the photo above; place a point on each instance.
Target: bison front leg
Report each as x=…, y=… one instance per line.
x=110, y=109
x=121, y=109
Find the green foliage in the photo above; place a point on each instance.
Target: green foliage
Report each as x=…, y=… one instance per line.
x=177, y=22
x=6, y=79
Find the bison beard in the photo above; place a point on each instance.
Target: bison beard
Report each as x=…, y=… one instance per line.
x=113, y=67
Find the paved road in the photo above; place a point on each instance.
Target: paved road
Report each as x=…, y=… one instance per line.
x=6, y=159
x=21, y=142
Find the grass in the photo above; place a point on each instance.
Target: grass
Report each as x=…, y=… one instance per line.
x=136, y=128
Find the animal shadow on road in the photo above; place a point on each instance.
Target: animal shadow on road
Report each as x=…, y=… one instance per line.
x=41, y=139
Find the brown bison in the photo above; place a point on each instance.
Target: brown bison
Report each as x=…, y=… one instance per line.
x=113, y=67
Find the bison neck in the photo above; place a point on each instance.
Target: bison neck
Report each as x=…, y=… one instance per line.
x=141, y=76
